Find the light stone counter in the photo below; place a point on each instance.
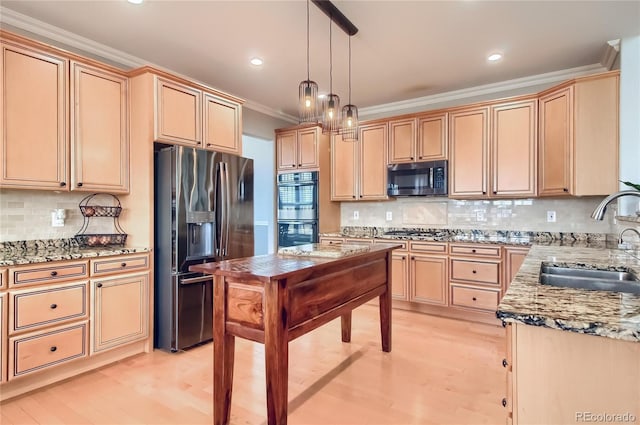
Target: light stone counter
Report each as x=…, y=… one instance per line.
x=609, y=314
x=325, y=251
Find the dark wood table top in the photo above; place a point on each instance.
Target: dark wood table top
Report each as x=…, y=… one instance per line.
x=277, y=266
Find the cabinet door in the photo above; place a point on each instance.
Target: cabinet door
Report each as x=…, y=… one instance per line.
x=99, y=130
x=514, y=257
x=432, y=137
x=35, y=120
x=468, y=167
x=221, y=125
x=514, y=149
x=308, y=148
x=286, y=147
x=178, y=114
x=119, y=310
x=400, y=277
x=3, y=338
x=373, y=162
x=428, y=279
x=402, y=141
x=344, y=169
x=556, y=153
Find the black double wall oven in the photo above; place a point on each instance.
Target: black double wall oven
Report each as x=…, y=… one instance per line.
x=297, y=208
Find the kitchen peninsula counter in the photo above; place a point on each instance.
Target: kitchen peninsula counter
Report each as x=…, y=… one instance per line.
x=273, y=299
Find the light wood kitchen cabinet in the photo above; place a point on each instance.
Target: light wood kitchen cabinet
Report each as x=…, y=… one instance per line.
x=494, y=150
x=513, y=258
x=556, y=361
x=428, y=273
x=179, y=113
x=298, y=149
x=344, y=169
x=99, y=130
x=119, y=310
x=35, y=101
x=3, y=337
x=579, y=134
x=222, y=118
x=400, y=275
x=3, y=279
x=475, y=276
x=421, y=138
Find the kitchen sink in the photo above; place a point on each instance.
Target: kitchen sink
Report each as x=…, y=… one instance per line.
x=590, y=279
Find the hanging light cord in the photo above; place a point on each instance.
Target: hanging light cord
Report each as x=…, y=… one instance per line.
x=330, y=61
x=308, y=40
x=349, y=70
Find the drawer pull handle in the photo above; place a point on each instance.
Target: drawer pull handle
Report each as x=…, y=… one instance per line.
x=504, y=324
x=474, y=299
x=123, y=264
x=504, y=402
x=473, y=271
x=99, y=285
x=63, y=184
x=79, y=184
x=473, y=250
x=54, y=273
x=505, y=363
x=52, y=349
x=53, y=306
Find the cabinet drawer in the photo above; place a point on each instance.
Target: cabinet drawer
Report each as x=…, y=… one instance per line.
x=440, y=247
x=47, y=273
x=475, y=271
x=484, y=299
x=3, y=278
x=358, y=241
x=403, y=244
x=38, y=351
x=486, y=251
x=119, y=264
x=331, y=241
x=32, y=308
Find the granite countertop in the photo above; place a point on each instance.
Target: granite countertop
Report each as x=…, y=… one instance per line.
x=608, y=314
x=42, y=251
x=326, y=251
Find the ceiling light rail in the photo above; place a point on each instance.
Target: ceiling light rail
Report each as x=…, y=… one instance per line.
x=336, y=16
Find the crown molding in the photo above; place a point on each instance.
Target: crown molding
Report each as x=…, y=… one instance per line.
x=254, y=106
x=611, y=50
x=503, y=86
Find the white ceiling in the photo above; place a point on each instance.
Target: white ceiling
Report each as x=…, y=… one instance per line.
x=403, y=50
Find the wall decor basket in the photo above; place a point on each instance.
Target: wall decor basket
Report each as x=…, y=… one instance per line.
x=90, y=209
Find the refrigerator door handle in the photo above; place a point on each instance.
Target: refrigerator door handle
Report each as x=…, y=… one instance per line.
x=223, y=208
x=228, y=205
x=217, y=185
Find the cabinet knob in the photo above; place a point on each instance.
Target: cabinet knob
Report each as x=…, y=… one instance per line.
x=209, y=144
x=484, y=192
x=53, y=306
x=473, y=250
x=63, y=184
x=198, y=143
x=99, y=285
x=474, y=299
x=495, y=192
x=52, y=349
x=354, y=196
x=361, y=196
x=504, y=324
x=293, y=165
x=412, y=158
x=54, y=273
x=79, y=184
x=420, y=157
x=473, y=271
x=299, y=165
x=565, y=189
x=413, y=258
x=505, y=363
x=123, y=264
x=504, y=402
x=403, y=257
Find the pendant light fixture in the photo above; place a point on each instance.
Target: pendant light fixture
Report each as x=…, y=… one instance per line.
x=331, y=104
x=349, y=128
x=308, y=91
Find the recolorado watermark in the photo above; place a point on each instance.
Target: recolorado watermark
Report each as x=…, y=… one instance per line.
x=606, y=417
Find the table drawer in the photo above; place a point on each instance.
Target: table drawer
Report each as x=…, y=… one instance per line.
x=123, y=263
x=48, y=273
x=486, y=251
x=431, y=247
x=42, y=350
x=45, y=306
x=484, y=299
x=475, y=271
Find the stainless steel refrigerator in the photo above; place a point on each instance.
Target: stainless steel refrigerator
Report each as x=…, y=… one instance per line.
x=203, y=213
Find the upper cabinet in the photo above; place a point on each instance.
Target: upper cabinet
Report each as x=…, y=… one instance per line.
x=579, y=134
x=359, y=169
x=298, y=149
x=90, y=154
x=493, y=150
x=423, y=138
x=185, y=113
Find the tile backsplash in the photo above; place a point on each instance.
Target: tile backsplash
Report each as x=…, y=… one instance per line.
x=26, y=215
x=571, y=215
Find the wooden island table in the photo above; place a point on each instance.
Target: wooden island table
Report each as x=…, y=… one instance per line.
x=273, y=299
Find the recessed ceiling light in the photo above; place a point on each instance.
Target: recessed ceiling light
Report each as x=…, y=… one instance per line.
x=494, y=57
x=256, y=61
x=135, y=1
x=322, y=96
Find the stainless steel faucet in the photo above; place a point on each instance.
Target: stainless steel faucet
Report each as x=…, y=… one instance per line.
x=598, y=213
x=620, y=241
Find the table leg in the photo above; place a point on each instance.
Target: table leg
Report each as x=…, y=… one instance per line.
x=276, y=352
x=385, y=310
x=223, y=356
x=345, y=320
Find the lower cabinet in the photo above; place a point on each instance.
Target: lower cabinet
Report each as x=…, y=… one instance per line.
x=400, y=276
x=428, y=279
x=476, y=276
x=119, y=310
x=3, y=338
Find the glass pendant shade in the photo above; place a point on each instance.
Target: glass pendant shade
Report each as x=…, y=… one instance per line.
x=308, y=101
x=349, y=128
x=331, y=113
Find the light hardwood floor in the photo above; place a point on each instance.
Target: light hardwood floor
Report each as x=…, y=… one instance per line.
x=440, y=371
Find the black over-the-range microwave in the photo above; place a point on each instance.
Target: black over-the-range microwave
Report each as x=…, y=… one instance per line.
x=427, y=178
